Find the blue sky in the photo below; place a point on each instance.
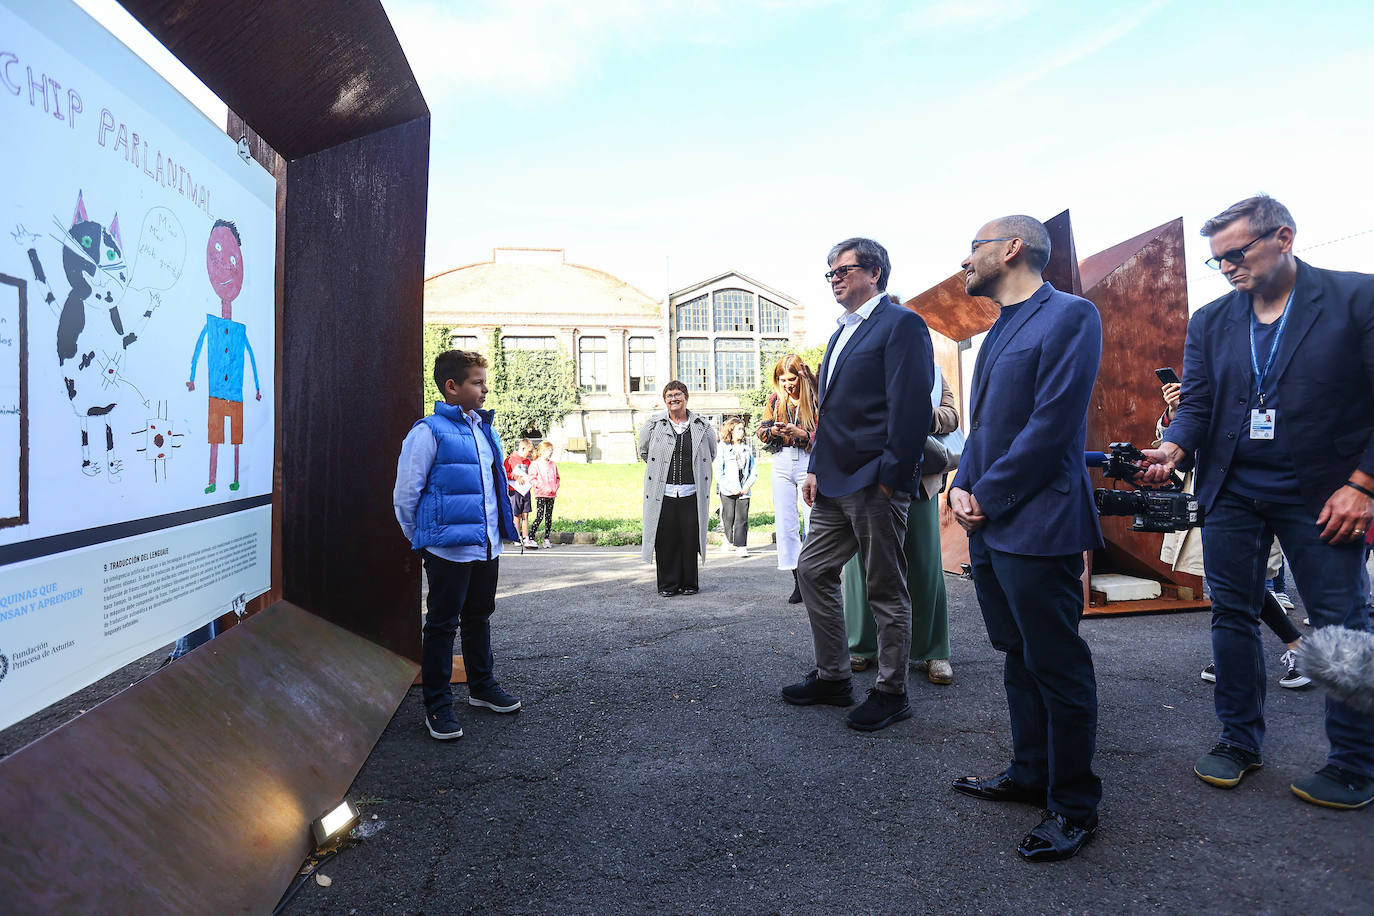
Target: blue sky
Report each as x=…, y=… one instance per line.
x=754, y=134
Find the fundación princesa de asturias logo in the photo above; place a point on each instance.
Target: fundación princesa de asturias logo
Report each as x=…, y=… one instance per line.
x=4, y=665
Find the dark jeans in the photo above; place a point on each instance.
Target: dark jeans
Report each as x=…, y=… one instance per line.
x=676, y=543
x=461, y=599
x=1235, y=543
x=543, y=510
x=734, y=519
x=1032, y=606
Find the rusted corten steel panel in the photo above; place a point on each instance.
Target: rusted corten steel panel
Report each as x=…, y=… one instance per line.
x=352, y=314
x=193, y=791
x=305, y=74
x=957, y=315
x=1140, y=287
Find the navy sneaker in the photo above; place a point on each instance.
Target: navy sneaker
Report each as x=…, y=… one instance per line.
x=493, y=698
x=879, y=711
x=1225, y=764
x=443, y=725
x=1333, y=787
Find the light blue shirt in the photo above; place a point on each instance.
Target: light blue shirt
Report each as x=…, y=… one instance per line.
x=412, y=472
x=849, y=322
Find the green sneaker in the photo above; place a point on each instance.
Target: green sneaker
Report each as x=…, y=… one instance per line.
x=1225, y=764
x=210, y=489
x=1333, y=787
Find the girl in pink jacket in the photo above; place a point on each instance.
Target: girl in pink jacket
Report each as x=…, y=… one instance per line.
x=543, y=475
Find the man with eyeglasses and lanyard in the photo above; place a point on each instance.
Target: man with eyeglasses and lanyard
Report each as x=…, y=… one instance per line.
x=1278, y=405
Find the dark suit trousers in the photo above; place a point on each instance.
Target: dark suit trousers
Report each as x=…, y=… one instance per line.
x=1032, y=606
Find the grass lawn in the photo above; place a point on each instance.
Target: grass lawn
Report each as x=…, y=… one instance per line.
x=610, y=497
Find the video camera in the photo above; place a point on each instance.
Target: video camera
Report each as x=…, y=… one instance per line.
x=1165, y=508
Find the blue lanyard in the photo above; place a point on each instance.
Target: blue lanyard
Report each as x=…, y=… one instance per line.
x=1273, y=348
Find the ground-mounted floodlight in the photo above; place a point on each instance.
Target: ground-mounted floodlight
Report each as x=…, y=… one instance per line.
x=331, y=827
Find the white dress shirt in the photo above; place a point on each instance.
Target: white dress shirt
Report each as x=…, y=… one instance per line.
x=849, y=322
x=412, y=473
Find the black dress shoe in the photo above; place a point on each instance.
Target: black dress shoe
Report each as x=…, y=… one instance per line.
x=687, y=590
x=1056, y=838
x=667, y=592
x=999, y=788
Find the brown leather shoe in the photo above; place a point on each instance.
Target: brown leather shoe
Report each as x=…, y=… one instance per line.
x=939, y=671
x=858, y=663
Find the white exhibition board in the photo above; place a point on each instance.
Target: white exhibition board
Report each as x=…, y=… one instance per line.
x=137, y=262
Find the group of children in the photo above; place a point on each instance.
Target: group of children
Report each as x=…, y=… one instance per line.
x=537, y=480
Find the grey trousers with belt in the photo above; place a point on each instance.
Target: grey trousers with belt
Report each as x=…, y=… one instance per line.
x=874, y=526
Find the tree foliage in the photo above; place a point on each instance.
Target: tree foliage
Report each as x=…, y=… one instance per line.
x=531, y=390
x=436, y=338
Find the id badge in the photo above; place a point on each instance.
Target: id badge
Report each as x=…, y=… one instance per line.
x=1262, y=423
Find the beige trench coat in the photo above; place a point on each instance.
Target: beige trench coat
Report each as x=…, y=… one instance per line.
x=656, y=440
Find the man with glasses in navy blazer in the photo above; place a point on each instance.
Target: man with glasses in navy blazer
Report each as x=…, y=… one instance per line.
x=874, y=413
x=1023, y=495
x=1278, y=406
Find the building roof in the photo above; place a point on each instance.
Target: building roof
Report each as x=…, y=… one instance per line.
x=535, y=286
x=775, y=294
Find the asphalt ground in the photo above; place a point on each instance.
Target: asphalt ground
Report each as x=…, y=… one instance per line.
x=655, y=769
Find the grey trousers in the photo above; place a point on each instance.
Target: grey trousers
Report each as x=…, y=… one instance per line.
x=874, y=526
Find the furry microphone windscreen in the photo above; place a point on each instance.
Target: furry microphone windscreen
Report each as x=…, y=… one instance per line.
x=1341, y=661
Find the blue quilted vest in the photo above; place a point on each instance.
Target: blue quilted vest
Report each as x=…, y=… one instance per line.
x=452, y=509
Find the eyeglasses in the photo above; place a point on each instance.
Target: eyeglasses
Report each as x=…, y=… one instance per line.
x=839, y=273
x=1237, y=255
x=973, y=246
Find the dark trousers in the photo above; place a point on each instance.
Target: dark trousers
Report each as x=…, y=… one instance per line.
x=1235, y=543
x=676, y=543
x=1032, y=606
x=734, y=519
x=543, y=510
x=461, y=599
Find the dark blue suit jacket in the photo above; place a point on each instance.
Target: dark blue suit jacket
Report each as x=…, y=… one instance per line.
x=875, y=414
x=1028, y=423
x=1323, y=375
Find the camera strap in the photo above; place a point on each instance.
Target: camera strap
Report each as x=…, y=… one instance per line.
x=1273, y=348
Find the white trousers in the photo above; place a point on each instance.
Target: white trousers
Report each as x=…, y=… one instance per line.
x=789, y=473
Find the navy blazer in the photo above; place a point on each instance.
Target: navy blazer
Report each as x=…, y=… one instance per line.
x=1028, y=425
x=1323, y=376
x=874, y=416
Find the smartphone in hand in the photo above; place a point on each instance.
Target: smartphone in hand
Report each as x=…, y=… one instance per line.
x=1167, y=376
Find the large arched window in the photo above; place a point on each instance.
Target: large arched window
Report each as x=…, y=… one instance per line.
x=772, y=317
x=734, y=310
x=694, y=315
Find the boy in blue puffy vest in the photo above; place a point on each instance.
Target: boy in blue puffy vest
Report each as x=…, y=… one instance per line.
x=450, y=499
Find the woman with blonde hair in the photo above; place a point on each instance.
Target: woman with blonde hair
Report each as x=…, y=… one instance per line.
x=789, y=423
